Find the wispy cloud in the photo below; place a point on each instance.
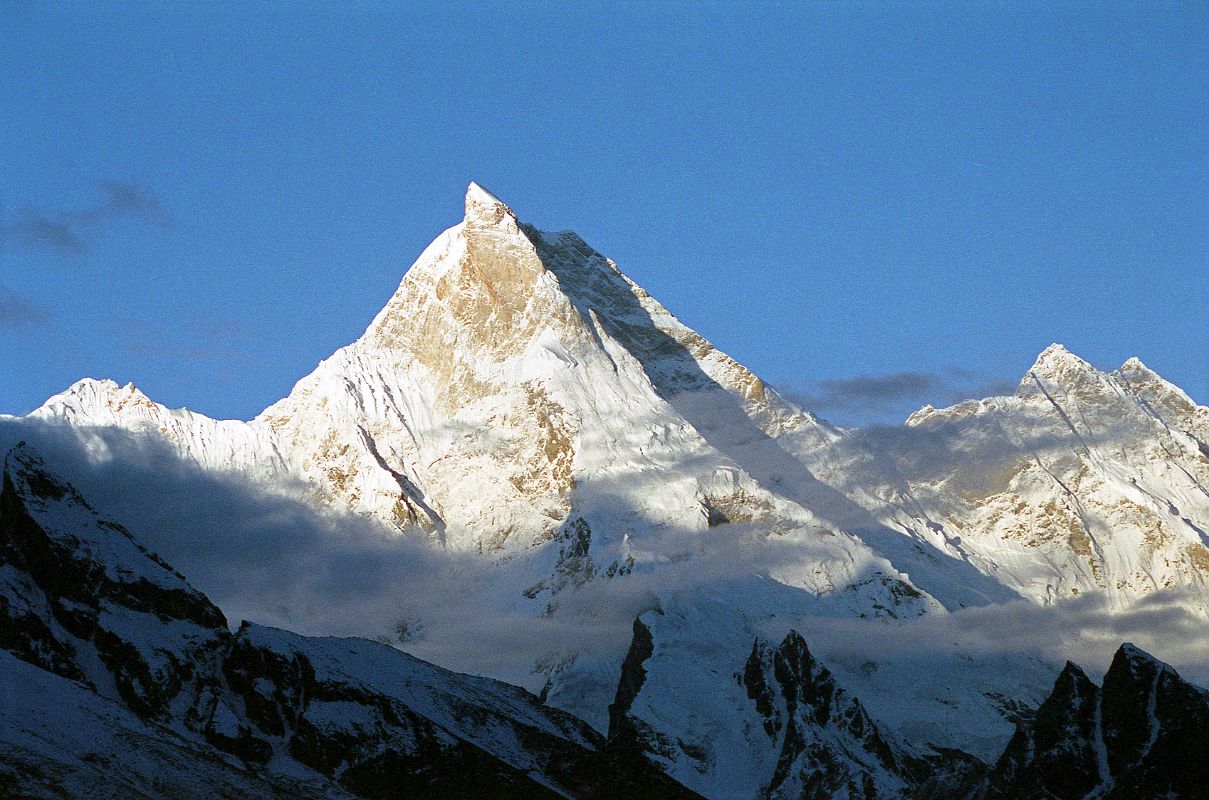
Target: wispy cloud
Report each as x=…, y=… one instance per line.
x=1086, y=630
x=189, y=340
x=18, y=312
x=865, y=399
x=876, y=390
x=72, y=231
x=121, y=200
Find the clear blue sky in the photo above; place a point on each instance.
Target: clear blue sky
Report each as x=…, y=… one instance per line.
x=208, y=198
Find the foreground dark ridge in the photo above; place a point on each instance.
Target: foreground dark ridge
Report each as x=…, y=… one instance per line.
x=121, y=680
x=1142, y=735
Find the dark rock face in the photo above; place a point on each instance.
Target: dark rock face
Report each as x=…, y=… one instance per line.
x=574, y=566
x=1143, y=735
x=633, y=675
x=827, y=744
x=1129, y=707
x=1056, y=756
x=67, y=605
x=80, y=599
x=759, y=690
x=629, y=738
x=1156, y=729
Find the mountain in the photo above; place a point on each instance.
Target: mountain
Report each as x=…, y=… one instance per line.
x=103, y=646
x=790, y=729
x=802, y=735
x=521, y=402
x=499, y=384
x=518, y=384
x=1082, y=481
x=731, y=712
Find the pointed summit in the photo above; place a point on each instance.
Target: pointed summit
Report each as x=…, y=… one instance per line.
x=1130, y=654
x=1058, y=372
x=1057, y=367
x=485, y=210
x=1056, y=359
x=1133, y=369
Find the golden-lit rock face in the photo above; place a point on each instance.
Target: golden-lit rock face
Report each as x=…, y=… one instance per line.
x=465, y=325
x=556, y=442
x=488, y=306
x=463, y=409
x=739, y=506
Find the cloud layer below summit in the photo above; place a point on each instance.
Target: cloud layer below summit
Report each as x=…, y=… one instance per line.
x=273, y=559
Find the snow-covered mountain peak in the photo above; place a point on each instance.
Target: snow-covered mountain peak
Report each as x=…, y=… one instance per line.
x=509, y=367
x=1065, y=382
x=1083, y=480
x=1061, y=379
x=480, y=285
x=90, y=396
x=1057, y=364
x=485, y=210
x=1134, y=364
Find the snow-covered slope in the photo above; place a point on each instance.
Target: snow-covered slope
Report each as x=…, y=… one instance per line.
x=775, y=723
x=738, y=706
x=216, y=444
x=117, y=679
x=63, y=741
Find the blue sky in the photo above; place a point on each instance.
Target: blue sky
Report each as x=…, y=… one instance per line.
x=902, y=201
